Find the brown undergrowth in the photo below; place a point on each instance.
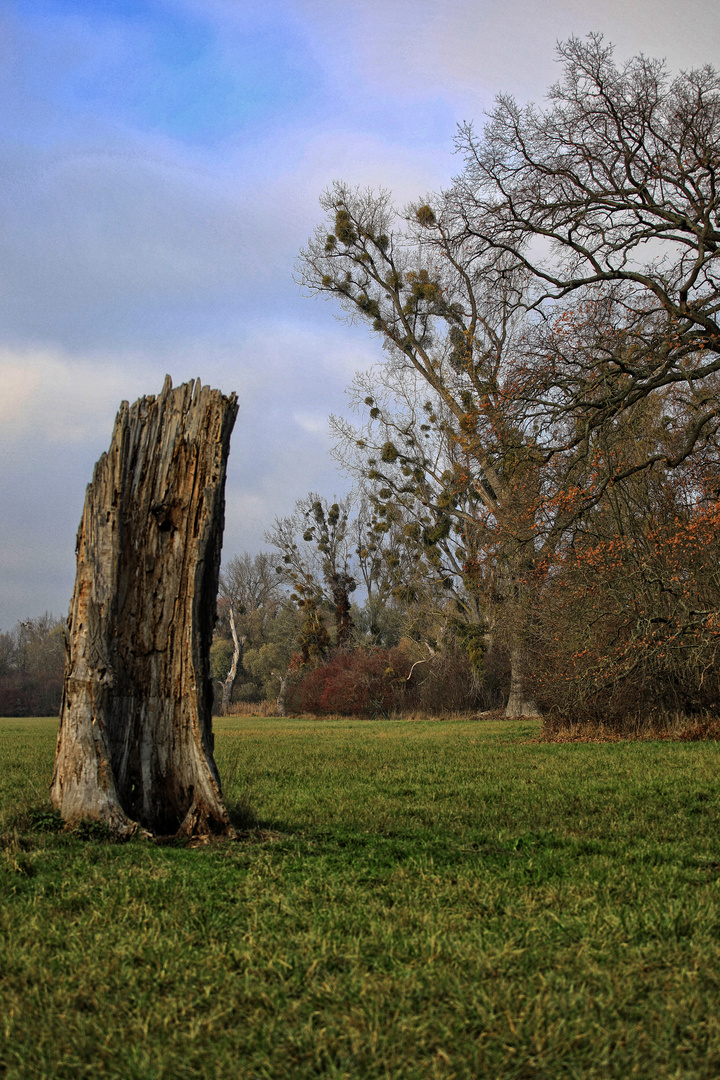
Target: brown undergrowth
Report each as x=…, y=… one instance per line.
x=269, y=709
x=555, y=729
x=253, y=708
x=678, y=728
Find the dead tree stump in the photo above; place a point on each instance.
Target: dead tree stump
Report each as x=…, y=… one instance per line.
x=135, y=746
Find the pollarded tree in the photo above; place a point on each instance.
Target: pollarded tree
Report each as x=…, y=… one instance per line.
x=404, y=580
x=610, y=196
x=330, y=549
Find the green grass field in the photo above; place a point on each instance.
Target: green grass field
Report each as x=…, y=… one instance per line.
x=407, y=900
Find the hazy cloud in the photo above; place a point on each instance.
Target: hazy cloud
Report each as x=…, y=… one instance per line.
x=470, y=50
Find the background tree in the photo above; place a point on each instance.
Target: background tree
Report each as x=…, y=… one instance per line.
x=266, y=663
x=32, y=662
x=315, y=547
x=8, y=654
x=569, y=274
x=249, y=598
x=450, y=318
x=629, y=626
x=618, y=179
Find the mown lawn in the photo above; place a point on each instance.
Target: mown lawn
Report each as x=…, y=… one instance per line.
x=408, y=900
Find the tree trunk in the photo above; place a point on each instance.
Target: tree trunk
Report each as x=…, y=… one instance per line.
x=135, y=746
x=232, y=673
x=280, y=700
x=518, y=704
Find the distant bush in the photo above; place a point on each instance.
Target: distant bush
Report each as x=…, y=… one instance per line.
x=447, y=683
x=28, y=695
x=377, y=681
x=628, y=633
x=677, y=728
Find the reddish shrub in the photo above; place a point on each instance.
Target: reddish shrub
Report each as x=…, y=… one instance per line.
x=358, y=683
x=368, y=682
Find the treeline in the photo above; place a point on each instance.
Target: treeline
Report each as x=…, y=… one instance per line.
x=536, y=459
x=622, y=626
x=303, y=644
x=32, y=663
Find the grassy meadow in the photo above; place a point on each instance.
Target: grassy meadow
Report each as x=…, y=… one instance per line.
x=406, y=900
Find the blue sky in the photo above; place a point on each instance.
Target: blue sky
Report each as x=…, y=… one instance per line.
x=164, y=68
x=160, y=166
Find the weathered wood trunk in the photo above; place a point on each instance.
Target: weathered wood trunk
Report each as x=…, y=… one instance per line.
x=135, y=746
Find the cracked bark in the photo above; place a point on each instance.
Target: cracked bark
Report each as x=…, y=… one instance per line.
x=135, y=745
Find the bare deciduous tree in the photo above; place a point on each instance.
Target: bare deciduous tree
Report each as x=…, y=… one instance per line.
x=611, y=194
x=319, y=569
x=449, y=320
x=249, y=596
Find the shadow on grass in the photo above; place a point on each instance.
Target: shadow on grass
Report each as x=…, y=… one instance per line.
x=27, y=827
x=242, y=816
x=22, y=821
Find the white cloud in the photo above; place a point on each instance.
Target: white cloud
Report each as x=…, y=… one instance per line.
x=312, y=424
x=57, y=399
x=18, y=386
